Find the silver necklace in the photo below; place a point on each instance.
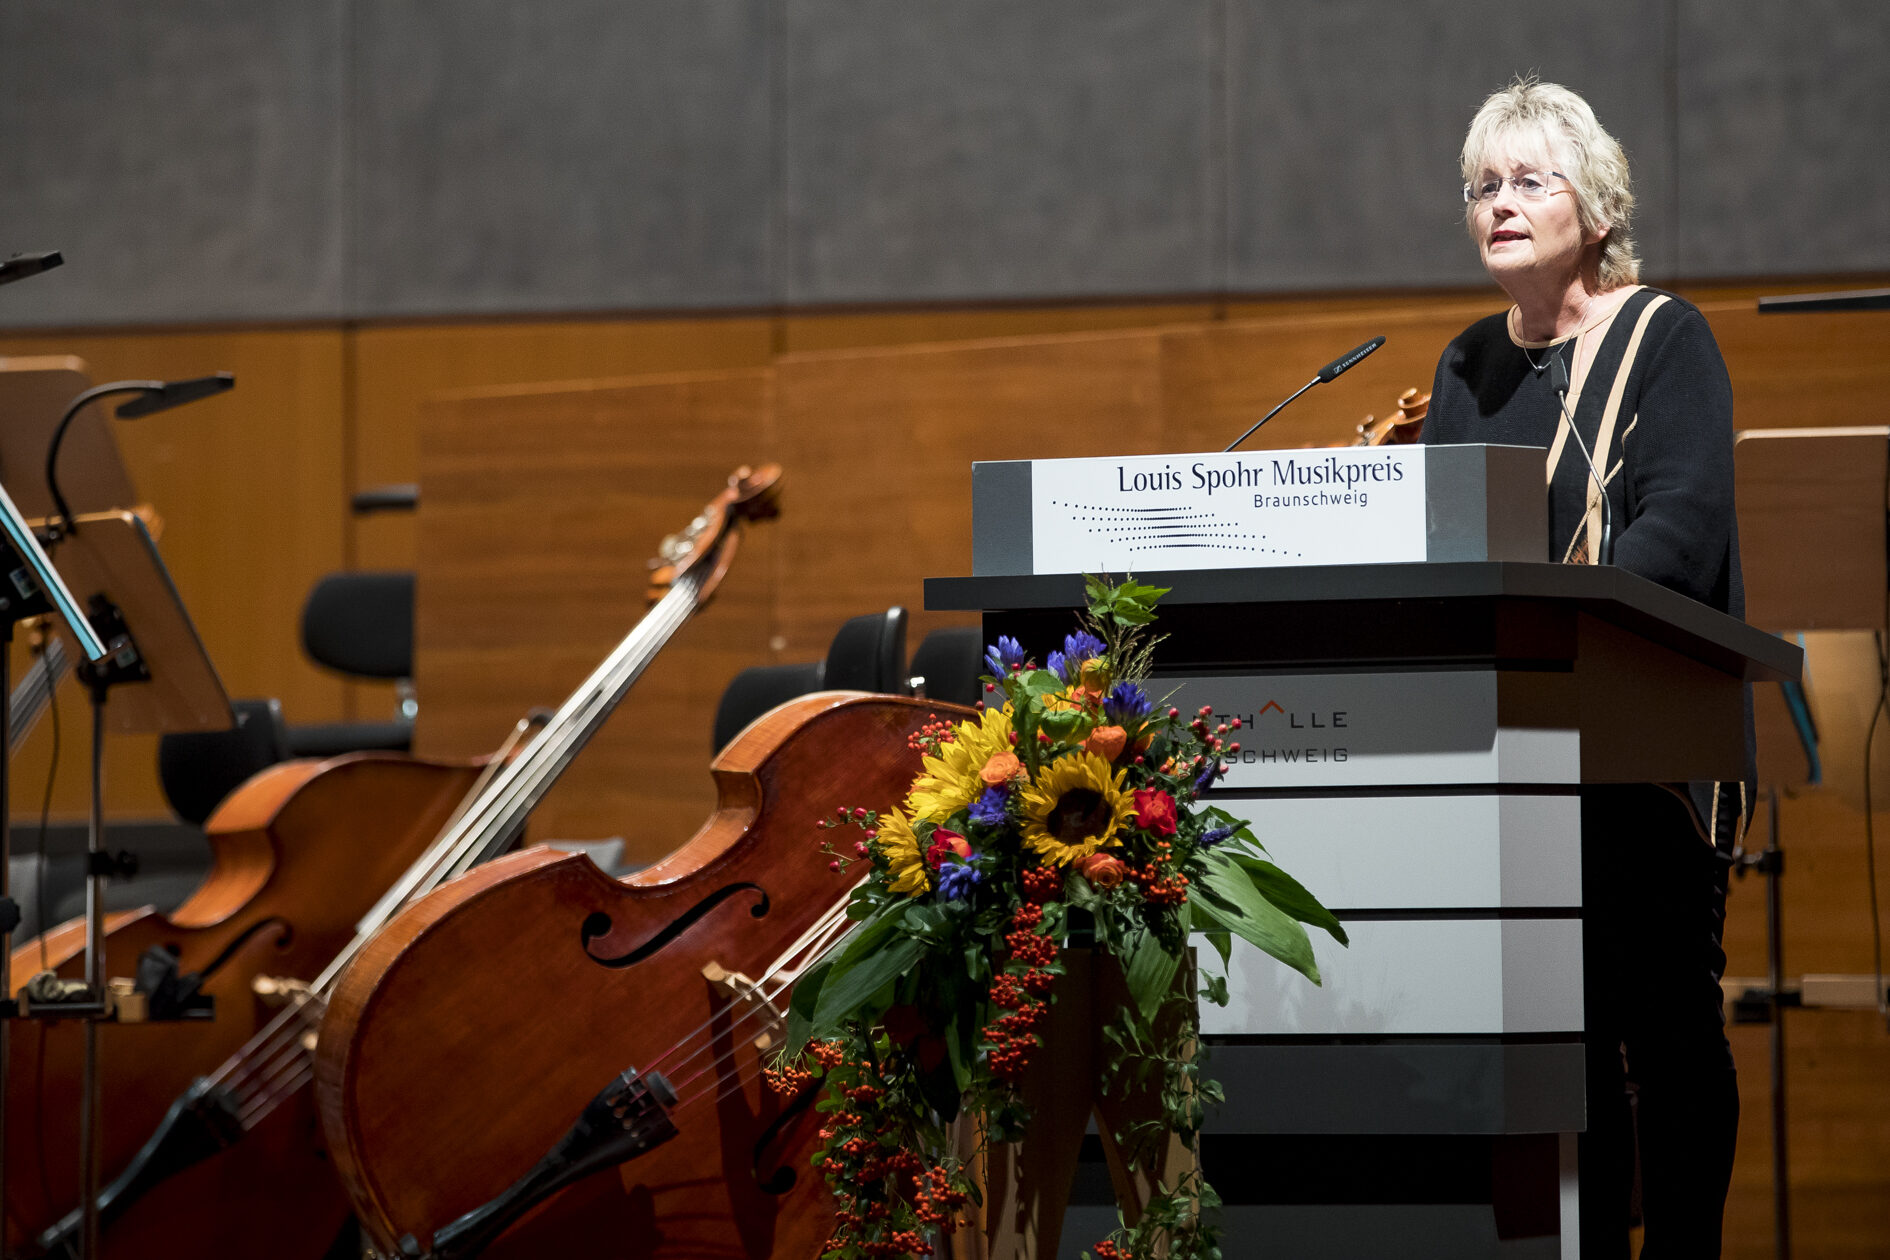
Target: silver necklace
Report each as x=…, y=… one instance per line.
x=1539, y=368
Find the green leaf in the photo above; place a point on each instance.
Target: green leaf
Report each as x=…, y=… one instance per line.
x=801, y=1008
x=1222, y=941
x=1215, y=816
x=1150, y=974
x=1290, y=895
x=845, y=993
x=1229, y=897
x=1062, y=723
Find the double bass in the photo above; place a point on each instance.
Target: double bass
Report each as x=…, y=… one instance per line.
x=538, y=1060
x=210, y=1129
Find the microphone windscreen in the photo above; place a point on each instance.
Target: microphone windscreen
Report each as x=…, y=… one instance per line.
x=1345, y=361
x=1558, y=374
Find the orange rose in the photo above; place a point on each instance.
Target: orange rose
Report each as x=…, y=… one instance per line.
x=1107, y=742
x=1001, y=769
x=1102, y=871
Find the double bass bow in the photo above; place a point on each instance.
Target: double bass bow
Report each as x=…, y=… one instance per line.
x=497, y=1053
x=354, y=832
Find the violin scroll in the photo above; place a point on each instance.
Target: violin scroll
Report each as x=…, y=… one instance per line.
x=1402, y=427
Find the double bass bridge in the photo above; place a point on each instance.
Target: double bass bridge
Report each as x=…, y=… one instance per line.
x=747, y=993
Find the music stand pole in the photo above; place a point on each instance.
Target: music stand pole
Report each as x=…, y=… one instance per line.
x=1773, y=864
x=150, y=653
x=31, y=586
x=7, y=908
x=95, y=981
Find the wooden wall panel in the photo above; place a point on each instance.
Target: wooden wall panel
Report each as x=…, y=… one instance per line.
x=539, y=510
x=882, y=442
x=396, y=367
x=251, y=487
x=1217, y=379
x=814, y=331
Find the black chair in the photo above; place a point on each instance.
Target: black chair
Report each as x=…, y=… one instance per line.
x=198, y=770
x=949, y=664
x=868, y=654
x=359, y=624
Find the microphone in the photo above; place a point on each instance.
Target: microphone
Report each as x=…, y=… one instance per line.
x=1558, y=381
x=1347, y=360
x=1330, y=371
x=20, y=266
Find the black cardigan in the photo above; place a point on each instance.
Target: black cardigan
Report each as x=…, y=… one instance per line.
x=1669, y=462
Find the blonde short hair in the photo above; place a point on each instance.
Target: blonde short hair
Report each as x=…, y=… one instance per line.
x=1531, y=121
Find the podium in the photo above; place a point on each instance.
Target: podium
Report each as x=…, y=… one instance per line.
x=1414, y=738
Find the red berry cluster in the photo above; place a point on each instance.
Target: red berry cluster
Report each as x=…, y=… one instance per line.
x=937, y=1197
x=1041, y=884
x=829, y=1054
x=1020, y=988
x=1160, y=882
x=887, y=1197
x=787, y=1080
x=929, y=737
x=858, y=816
x=1106, y=1250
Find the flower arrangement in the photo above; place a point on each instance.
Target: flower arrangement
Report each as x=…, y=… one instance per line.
x=1067, y=809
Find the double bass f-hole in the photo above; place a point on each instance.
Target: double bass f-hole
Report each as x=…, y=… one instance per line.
x=782, y=1178
x=599, y=924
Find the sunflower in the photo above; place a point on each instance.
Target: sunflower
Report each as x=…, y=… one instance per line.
x=950, y=780
x=1074, y=807
x=900, y=848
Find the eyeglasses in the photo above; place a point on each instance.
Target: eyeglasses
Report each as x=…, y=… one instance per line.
x=1530, y=186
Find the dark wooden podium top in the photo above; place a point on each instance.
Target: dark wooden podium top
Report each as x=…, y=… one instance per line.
x=1415, y=610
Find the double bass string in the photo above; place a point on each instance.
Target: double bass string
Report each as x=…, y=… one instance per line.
x=257, y=1073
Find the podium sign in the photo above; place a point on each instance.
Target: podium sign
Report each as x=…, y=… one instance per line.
x=1258, y=509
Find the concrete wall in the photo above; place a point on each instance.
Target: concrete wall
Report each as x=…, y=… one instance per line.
x=315, y=159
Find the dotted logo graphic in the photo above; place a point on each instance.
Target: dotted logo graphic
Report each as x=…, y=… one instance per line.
x=1180, y=528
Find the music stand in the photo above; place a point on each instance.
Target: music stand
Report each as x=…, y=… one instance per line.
x=155, y=668
x=29, y=587
x=1804, y=493
x=34, y=393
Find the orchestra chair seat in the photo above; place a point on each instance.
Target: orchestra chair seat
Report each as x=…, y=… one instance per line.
x=868, y=654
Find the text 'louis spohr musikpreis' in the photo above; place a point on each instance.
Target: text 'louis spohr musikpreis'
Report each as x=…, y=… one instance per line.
x=1333, y=481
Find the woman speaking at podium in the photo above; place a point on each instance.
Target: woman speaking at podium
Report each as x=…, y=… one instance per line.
x=1625, y=387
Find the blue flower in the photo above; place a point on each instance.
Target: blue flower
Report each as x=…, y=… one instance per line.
x=1211, y=838
x=1006, y=653
x=1055, y=665
x=1078, y=648
x=1125, y=702
x=957, y=879
x=1206, y=778
x=988, y=809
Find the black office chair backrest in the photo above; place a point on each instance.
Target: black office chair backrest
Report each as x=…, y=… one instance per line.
x=951, y=661
x=361, y=623
x=868, y=654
